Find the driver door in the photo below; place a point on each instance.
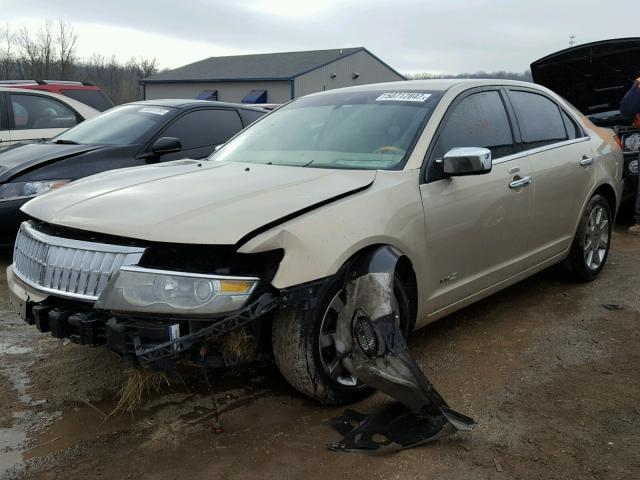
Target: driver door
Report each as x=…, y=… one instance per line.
x=477, y=226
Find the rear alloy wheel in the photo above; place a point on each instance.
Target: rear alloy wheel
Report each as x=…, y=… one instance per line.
x=590, y=248
x=305, y=352
x=596, y=242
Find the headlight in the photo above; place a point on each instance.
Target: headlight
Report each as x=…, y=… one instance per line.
x=15, y=190
x=633, y=167
x=137, y=289
x=632, y=142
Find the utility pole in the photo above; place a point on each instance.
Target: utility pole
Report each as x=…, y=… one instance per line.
x=572, y=40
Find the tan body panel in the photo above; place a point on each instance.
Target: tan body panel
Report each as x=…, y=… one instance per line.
x=466, y=237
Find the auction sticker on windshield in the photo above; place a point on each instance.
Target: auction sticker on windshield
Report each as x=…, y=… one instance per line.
x=154, y=110
x=403, y=97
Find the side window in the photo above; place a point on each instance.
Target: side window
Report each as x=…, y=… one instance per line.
x=539, y=119
x=250, y=116
x=573, y=130
x=37, y=111
x=479, y=120
x=204, y=127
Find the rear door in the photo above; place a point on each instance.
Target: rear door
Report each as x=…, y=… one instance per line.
x=200, y=131
x=477, y=227
x=562, y=170
x=35, y=117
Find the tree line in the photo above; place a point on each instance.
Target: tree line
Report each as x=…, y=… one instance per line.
x=50, y=53
x=501, y=75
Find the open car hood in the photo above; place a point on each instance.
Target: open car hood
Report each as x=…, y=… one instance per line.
x=593, y=77
x=195, y=202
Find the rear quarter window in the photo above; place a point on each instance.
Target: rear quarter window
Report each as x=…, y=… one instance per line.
x=573, y=129
x=250, y=116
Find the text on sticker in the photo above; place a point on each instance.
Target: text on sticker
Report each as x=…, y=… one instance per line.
x=403, y=97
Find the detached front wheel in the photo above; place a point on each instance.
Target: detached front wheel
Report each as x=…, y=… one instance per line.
x=304, y=346
x=590, y=248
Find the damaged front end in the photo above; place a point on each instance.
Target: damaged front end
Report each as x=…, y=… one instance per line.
x=136, y=299
x=373, y=348
x=139, y=301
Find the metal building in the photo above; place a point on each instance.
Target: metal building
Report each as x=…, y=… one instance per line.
x=270, y=77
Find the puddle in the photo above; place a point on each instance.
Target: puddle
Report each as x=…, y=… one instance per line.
x=75, y=426
x=14, y=439
x=11, y=442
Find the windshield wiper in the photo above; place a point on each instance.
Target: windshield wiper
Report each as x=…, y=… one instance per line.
x=65, y=142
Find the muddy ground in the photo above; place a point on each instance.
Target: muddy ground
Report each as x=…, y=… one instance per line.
x=551, y=376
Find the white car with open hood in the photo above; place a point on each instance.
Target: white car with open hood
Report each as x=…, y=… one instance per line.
x=455, y=188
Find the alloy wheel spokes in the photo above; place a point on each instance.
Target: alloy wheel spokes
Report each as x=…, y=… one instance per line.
x=596, y=241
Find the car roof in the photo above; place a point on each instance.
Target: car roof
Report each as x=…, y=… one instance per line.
x=185, y=103
x=433, y=85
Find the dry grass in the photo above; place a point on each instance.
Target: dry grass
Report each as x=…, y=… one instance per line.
x=235, y=345
x=140, y=385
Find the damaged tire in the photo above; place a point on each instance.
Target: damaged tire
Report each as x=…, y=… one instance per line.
x=304, y=348
x=590, y=248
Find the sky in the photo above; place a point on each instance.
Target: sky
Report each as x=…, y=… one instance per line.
x=436, y=36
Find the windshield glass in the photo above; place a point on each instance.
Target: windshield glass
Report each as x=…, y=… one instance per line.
x=357, y=130
x=124, y=125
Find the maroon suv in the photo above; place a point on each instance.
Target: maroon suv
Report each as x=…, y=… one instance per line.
x=84, y=92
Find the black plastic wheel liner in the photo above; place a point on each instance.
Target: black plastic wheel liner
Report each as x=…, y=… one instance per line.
x=419, y=413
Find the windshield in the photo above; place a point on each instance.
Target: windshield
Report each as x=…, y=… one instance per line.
x=357, y=130
x=124, y=125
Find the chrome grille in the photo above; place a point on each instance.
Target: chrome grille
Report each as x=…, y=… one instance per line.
x=67, y=267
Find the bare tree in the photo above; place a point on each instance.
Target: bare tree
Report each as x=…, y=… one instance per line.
x=7, y=60
x=66, y=44
x=50, y=53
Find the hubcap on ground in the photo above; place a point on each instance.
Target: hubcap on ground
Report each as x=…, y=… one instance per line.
x=596, y=241
x=331, y=363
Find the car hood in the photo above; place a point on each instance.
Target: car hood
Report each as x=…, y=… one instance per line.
x=593, y=77
x=21, y=158
x=197, y=202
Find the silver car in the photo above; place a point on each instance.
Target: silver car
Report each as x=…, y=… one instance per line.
x=463, y=186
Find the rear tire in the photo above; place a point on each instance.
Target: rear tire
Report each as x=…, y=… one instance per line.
x=296, y=347
x=590, y=247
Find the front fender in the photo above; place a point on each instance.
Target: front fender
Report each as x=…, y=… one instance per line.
x=319, y=242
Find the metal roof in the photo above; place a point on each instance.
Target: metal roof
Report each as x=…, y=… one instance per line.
x=266, y=66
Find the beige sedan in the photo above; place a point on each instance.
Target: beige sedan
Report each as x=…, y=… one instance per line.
x=460, y=187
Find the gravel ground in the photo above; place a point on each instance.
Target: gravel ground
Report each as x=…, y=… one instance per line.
x=551, y=376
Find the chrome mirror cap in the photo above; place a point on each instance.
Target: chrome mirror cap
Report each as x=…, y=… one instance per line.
x=467, y=161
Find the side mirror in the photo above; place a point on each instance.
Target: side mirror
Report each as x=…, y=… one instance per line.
x=466, y=161
x=166, y=145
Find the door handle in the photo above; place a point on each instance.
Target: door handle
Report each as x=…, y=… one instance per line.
x=586, y=161
x=519, y=182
